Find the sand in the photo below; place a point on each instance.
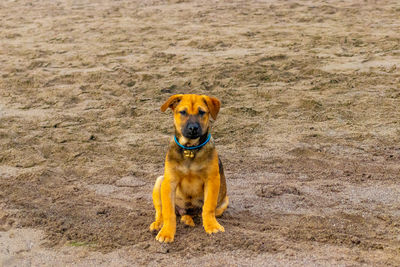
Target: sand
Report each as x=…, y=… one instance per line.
x=308, y=131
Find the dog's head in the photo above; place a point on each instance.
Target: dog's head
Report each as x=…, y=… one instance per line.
x=192, y=113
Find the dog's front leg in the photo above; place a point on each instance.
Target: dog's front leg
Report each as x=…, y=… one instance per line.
x=168, y=188
x=211, y=191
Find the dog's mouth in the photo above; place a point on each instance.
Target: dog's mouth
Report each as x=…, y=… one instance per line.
x=192, y=130
x=191, y=136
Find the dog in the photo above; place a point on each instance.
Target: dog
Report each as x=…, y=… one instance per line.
x=193, y=179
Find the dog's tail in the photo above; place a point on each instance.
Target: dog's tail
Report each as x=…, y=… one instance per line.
x=222, y=207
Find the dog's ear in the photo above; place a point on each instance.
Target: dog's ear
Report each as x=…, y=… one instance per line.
x=213, y=105
x=171, y=102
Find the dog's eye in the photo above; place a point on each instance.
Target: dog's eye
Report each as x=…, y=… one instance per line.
x=201, y=112
x=183, y=112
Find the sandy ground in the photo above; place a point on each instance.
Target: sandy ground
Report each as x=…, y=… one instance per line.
x=309, y=129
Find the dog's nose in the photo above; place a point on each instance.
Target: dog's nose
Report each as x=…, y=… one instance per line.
x=193, y=128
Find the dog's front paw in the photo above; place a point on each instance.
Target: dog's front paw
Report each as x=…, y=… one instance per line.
x=166, y=235
x=212, y=226
x=155, y=226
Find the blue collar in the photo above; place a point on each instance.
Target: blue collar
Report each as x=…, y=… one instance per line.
x=192, y=147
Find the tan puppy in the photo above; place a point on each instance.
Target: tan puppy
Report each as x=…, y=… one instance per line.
x=193, y=178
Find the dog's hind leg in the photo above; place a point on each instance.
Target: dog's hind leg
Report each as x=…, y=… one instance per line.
x=187, y=219
x=156, y=225
x=221, y=208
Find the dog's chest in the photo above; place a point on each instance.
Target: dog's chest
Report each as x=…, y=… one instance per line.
x=191, y=188
x=191, y=168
